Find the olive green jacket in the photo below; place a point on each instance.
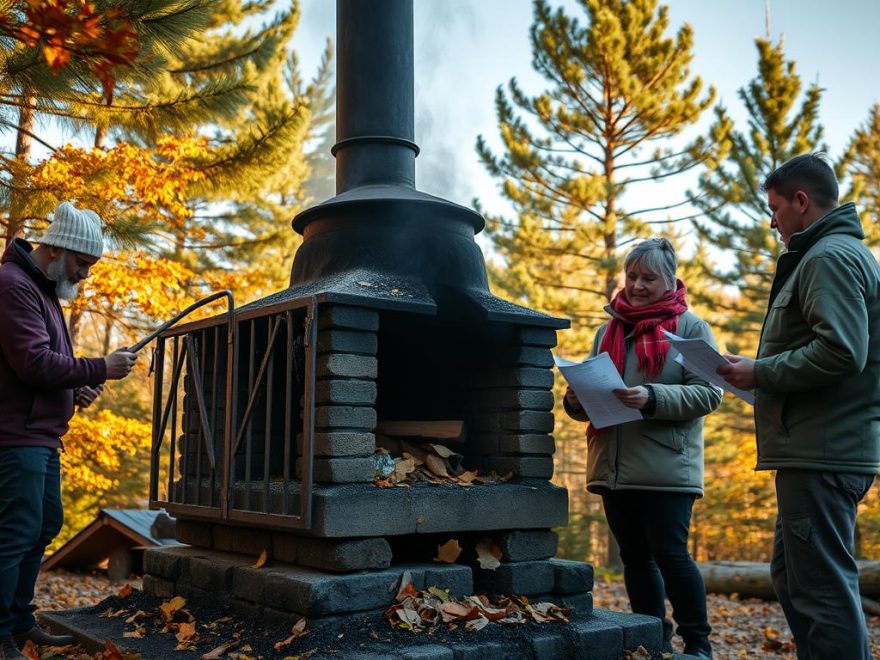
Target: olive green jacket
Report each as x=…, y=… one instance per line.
x=818, y=370
x=663, y=452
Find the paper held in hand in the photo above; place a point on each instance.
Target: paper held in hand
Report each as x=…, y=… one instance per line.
x=698, y=357
x=593, y=381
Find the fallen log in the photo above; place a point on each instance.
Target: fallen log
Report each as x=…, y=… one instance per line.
x=751, y=579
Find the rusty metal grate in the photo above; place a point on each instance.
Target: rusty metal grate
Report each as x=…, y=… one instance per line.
x=232, y=396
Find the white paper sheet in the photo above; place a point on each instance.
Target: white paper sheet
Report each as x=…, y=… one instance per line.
x=593, y=381
x=698, y=357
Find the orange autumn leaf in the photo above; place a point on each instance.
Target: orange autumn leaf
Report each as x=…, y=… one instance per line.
x=185, y=631
x=170, y=607
x=261, y=560
x=448, y=552
x=125, y=591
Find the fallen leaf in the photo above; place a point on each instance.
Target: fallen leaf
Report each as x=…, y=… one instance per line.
x=217, y=653
x=468, y=477
x=29, y=650
x=126, y=591
x=488, y=555
x=437, y=465
x=448, y=552
x=261, y=560
x=403, y=467
x=170, y=607
x=185, y=632
x=476, y=624
x=441, y=450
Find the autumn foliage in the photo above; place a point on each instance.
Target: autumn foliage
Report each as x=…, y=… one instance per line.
x=65, y=29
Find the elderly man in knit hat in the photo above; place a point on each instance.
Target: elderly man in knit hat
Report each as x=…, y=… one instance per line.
x=40, y=382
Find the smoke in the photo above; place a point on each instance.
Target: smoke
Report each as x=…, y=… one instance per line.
x=443, y=105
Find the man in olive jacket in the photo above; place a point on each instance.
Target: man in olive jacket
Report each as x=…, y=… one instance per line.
x=817, y=409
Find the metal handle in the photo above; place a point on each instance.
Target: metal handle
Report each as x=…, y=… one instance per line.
x=174, y=319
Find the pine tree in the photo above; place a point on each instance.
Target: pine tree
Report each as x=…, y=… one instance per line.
x=619, y=96
x=734, y=216
x=33, y=93
x=620, y=91
x=860, y=167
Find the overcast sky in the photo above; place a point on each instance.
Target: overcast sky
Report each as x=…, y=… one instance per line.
x=466, y=48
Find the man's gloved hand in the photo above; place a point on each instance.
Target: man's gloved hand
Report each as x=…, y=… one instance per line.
x=119, y=363
x=85, y=396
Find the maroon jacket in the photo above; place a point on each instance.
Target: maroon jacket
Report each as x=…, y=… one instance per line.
x=37, y=368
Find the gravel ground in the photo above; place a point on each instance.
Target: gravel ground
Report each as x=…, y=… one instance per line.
x=741, y=628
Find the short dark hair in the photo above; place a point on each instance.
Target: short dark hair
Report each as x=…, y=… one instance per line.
x=808, y=172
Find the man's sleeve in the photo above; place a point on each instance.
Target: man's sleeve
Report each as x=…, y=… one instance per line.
x=833, y=305
x=24, y=341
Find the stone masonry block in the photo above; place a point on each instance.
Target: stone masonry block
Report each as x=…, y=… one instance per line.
x=251, y=542
x=528, y=356
x=515, y=399
x=549, y=645
x=341, y=443
x=222, y=537
x=638, y=629
x=528, y=545
x=596, y=639
x=249, y=583
x=335, y=392
x=572, y=577
x=344, y=316
x=159, y=587
x=285, y=546
x=314, y=593
x=524, y=578
x=350, y=510
x=214, y=571
x=345, y=470
x=344, y=556
x=170, y=562
x=544, y=337
x=347, y=341
x=347, y=366
x=535, y=467
x=459, y=582
x=528, y=443
x=513, y=377
x=528, y=420
x=483, y=650
x=357, y=417
x=426, y=652
x=580, y=603
x=192, y=532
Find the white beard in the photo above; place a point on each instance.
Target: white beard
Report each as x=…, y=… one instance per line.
x=64, y=288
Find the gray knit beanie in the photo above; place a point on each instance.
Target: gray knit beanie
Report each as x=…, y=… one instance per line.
x=78, y=230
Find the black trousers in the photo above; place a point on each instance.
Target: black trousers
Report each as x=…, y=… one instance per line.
x=651, y=528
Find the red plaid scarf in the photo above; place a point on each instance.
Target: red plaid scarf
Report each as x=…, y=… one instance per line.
x=648, y=323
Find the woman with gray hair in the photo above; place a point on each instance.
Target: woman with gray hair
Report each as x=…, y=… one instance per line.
x=650, y=471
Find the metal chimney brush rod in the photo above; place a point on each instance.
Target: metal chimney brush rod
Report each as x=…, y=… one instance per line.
x=225, y=293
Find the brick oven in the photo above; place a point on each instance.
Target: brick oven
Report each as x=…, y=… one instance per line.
x=267, y=418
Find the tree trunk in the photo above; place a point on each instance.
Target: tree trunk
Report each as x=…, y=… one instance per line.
x=751, y=579
x=23, y=143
